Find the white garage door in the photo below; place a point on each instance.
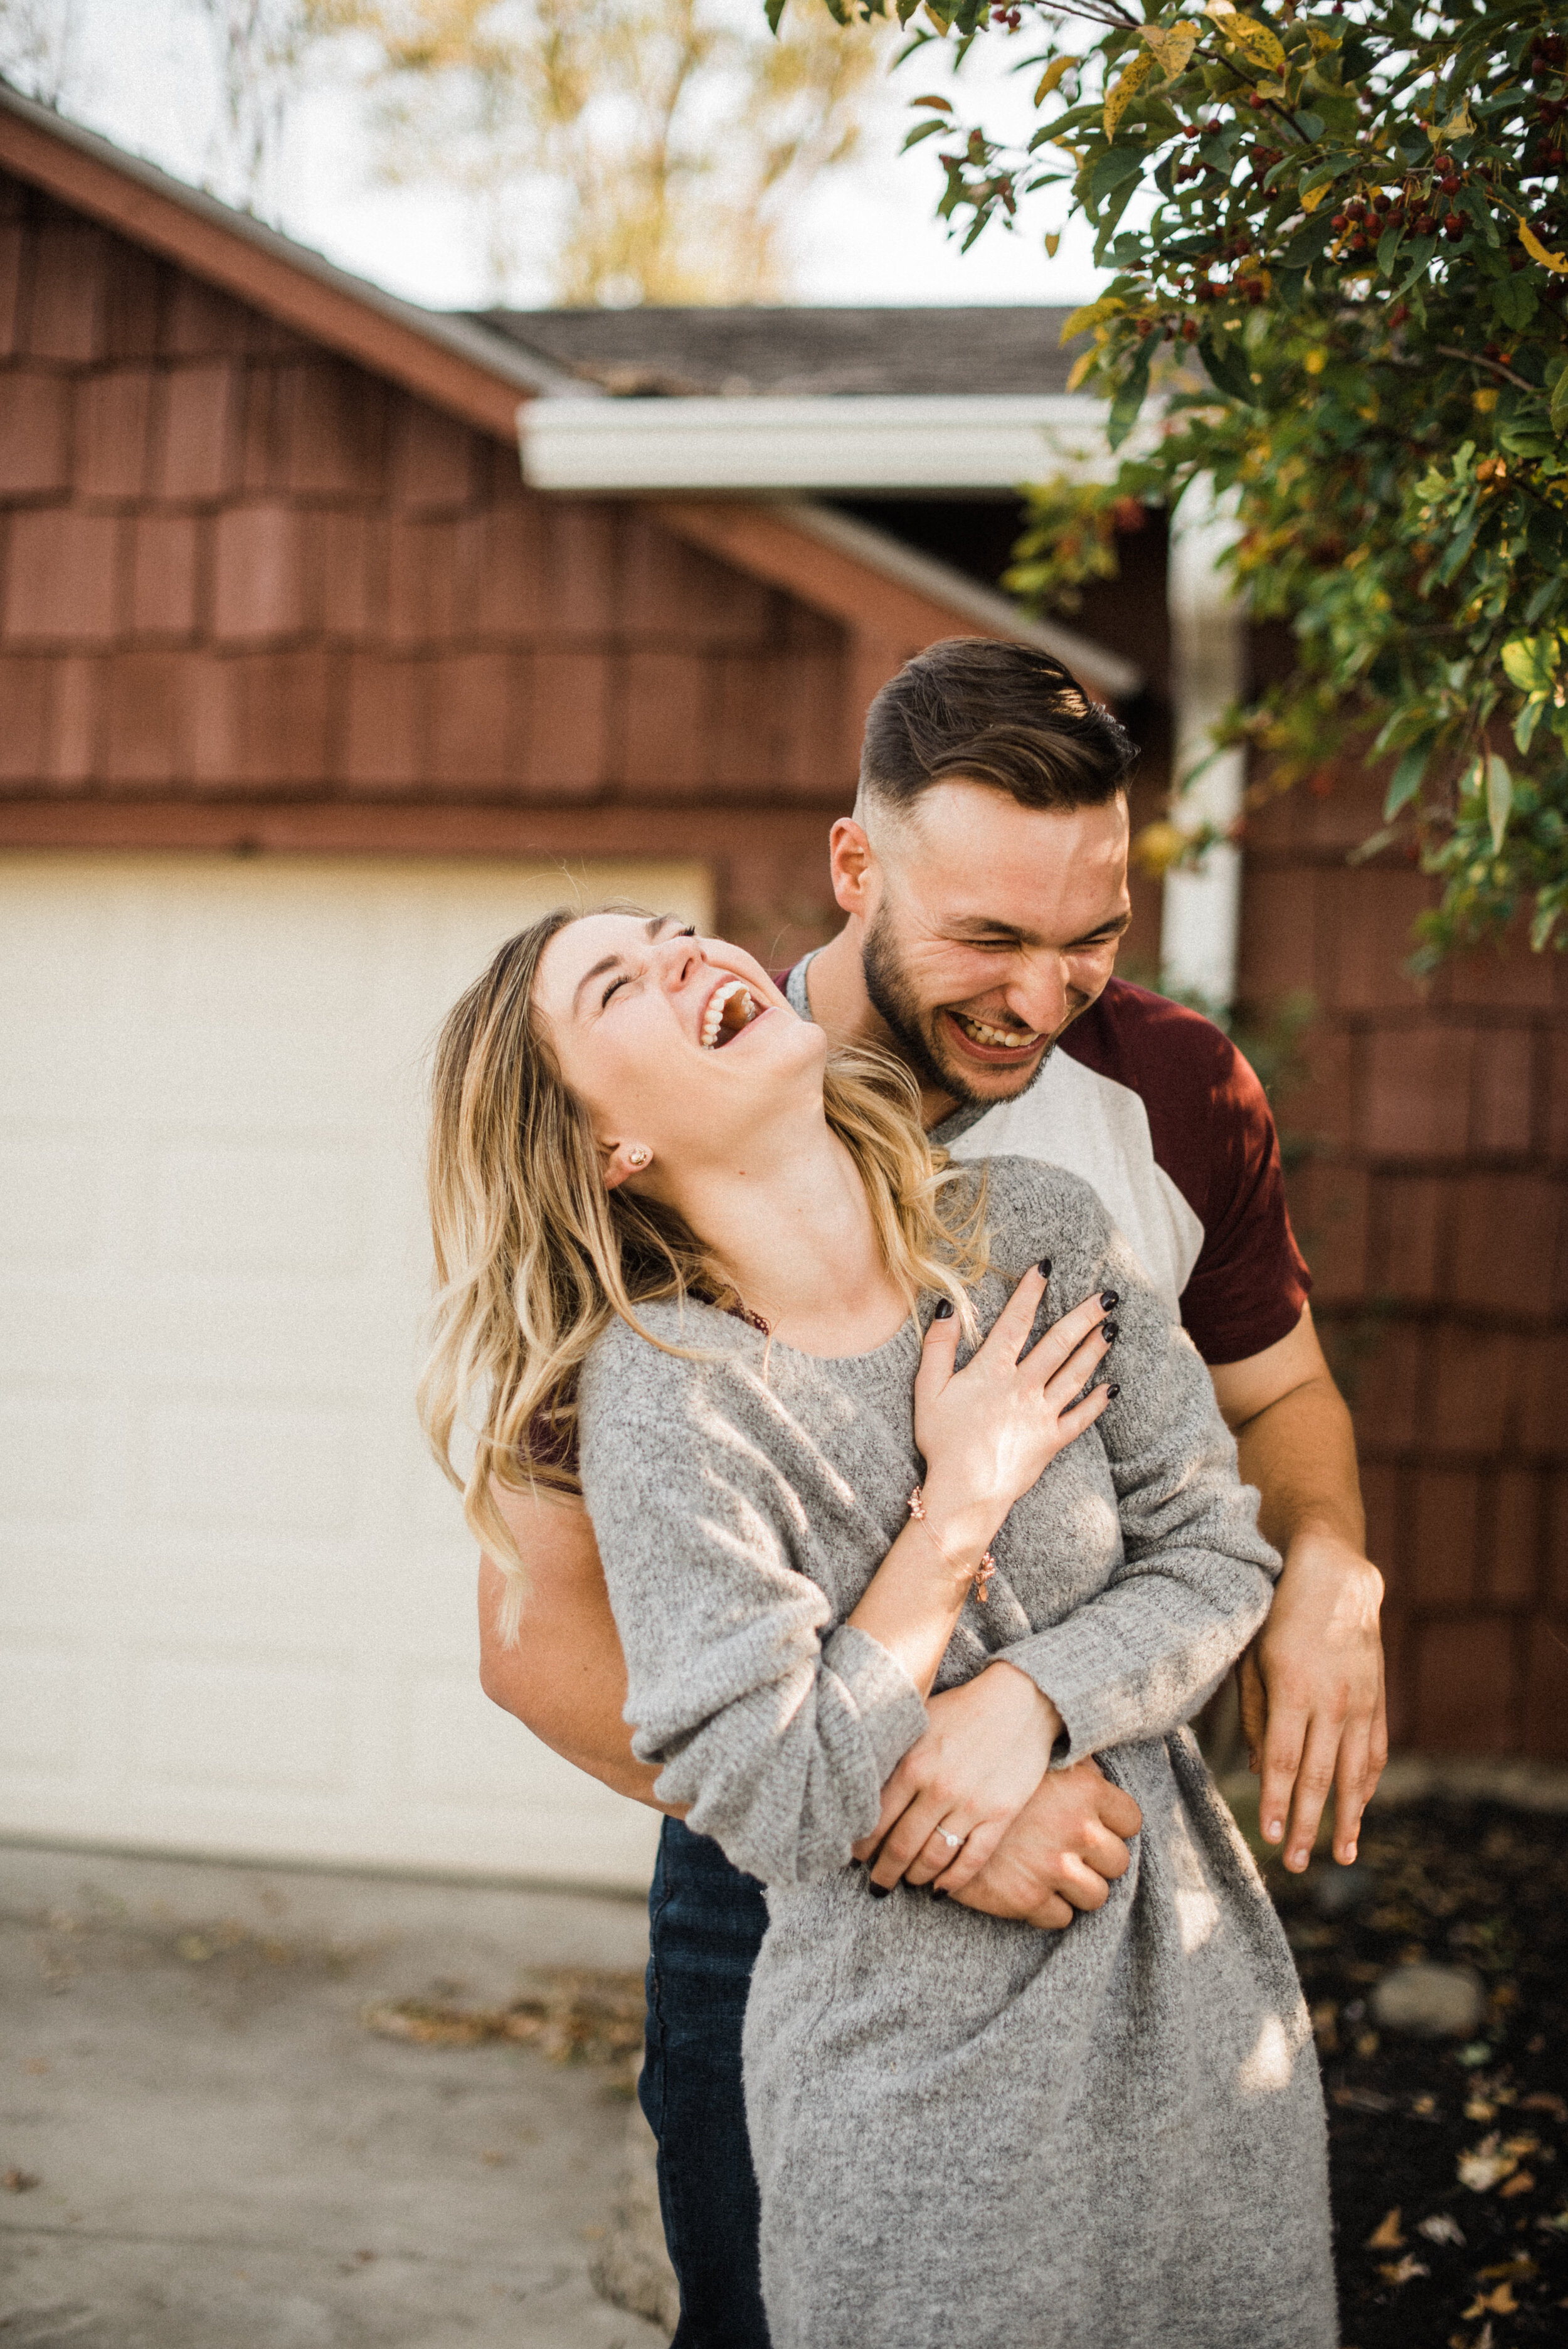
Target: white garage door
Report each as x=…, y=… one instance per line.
x=236, y=1598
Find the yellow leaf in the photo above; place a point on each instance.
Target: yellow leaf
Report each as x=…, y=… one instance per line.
x=1386, y=2236
x=1556, y=261
x=1522, y=2182
x=1081, y=367
x=1120, y=96
x=1311, y=197
x=1173, y=48
x=1052, y=76
x=1091, y=315
x=1246, y=34
x=1053, y=239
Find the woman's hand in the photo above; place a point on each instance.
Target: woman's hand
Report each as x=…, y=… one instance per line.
x=987, y=1433
x=956, y=1792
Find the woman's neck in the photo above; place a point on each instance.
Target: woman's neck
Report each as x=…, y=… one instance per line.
x=792, y=1231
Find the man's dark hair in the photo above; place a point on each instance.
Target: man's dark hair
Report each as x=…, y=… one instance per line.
x=1003, y=714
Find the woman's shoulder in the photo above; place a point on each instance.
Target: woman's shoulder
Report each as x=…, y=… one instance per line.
x=677, y=1350
x=1033, y=1209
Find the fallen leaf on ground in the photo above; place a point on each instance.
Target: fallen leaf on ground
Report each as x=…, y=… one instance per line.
x=1403, y=2270
x=1441, y=2229
x=1500, y=2302
x=1483, y=2166
x=18, y=2181
x=1386, y=2235
x=1363, y=2100
x=1542, y=2101
x=1520, y=2183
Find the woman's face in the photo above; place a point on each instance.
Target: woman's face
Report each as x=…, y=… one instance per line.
x=678, y=1045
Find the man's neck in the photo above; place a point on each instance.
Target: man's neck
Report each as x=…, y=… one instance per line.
x=836, y=991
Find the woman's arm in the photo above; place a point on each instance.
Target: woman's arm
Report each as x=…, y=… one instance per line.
x=774, y=1729
x=1197, y=1577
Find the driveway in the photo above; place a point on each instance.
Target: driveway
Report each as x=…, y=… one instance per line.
x=206, y=2148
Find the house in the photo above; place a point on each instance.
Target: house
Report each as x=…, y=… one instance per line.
x=308, y=698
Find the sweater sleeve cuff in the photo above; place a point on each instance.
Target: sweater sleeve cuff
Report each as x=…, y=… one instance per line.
x=1069, y=1665
x=892, y=1709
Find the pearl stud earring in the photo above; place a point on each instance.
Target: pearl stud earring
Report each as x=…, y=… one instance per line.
x=639, y=1156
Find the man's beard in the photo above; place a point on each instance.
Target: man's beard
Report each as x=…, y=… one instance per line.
x=915, y=1031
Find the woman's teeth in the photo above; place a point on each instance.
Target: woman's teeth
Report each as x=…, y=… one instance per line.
x=1015, y=1040
x=729, y=1009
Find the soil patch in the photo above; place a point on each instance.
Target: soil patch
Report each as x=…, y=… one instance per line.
x=1448, y=2159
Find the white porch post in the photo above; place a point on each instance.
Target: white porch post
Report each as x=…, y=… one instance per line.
x=1201, y=921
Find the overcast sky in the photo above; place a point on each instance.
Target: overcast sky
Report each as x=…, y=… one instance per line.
x=141, y=72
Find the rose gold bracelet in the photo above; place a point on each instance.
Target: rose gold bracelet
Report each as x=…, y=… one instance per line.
x=980, y=1589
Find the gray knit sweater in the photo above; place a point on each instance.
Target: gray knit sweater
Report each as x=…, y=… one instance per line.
x=966, y=2129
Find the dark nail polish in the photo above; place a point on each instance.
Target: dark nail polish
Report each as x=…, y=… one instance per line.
x=1111, y=1331
x=880, y=1892
x=1113, y=1393
x=1045, y=1267
x=939, y=1896
x=1110, y=1298
x=943, y=1310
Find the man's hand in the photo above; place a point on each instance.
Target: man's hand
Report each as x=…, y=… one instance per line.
x=1312, y=1684
x=1311, y=1698
x=1063, y=1852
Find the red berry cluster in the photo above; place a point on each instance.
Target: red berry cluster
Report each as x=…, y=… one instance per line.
x=1010, y=17
x=1549, y=53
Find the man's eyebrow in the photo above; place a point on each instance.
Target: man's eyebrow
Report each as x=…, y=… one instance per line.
x=651, y=928
x=977, y=926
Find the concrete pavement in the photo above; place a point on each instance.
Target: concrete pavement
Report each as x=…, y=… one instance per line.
x=227, y=2158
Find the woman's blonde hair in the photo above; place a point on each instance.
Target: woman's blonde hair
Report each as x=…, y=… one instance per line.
x=534, y=1256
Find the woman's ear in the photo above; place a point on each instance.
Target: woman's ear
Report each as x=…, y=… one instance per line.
x=621, y=1160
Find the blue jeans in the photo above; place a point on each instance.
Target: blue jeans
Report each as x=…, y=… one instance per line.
x=705, y=1925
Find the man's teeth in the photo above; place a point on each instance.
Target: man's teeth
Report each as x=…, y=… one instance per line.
x=734, y=993
x=1015, y=1040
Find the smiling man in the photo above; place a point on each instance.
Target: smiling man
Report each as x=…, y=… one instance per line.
x=983, y=877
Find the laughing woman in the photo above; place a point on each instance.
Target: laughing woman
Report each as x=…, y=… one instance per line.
x=838, y=1450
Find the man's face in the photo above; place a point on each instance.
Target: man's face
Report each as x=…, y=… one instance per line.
x=989, y=928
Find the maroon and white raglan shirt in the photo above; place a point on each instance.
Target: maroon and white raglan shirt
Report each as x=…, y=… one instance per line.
x=1153, y=1105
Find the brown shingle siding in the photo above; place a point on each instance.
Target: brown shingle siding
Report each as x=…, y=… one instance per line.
x=35, y=435
x=61, y=577
x=114, y=414
x=196, y=432
x=66, y=313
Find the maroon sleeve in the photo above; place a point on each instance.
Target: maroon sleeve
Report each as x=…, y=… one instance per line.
x=1213, y=1134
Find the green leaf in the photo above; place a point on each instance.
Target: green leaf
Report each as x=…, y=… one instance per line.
x=1528, y=719
x=1113, y=169
x=1499, y=798
x=923, y=130
x=1228, y=370
x=1513, y=300
x=1530, y=662
x=1125, y=407
x=1559, y=404
x=1406, y=780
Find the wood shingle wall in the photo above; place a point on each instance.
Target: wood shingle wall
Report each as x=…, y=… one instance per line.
x=1432, y=1208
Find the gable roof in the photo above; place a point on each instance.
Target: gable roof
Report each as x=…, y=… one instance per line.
x=445, y=357
x=805, y=350
x=472, y=369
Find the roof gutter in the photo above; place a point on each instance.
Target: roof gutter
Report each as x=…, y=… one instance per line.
x=849, y=444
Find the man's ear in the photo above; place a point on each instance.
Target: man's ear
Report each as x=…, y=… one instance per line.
x=852, y=861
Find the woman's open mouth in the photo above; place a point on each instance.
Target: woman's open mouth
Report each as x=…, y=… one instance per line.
x=730, y=1008
x=985, y=1038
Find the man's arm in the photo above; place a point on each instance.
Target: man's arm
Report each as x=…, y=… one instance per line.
x=1311, y=1682
x=564, y=1676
